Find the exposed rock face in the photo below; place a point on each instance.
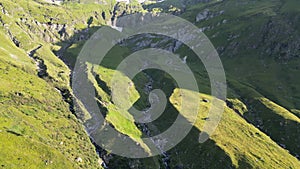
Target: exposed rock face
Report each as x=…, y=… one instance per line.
x=202, y=15
x=41, y=67
x=280, y=39
x=274, y=39
x=52, y=32
x=207, y=14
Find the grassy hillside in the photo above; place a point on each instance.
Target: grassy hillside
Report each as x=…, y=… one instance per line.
x=257, y=48
x=37, y=128
x=38, y=125
x=246, y=146
x=255, y=53
x=258, y=42
x=236, y=142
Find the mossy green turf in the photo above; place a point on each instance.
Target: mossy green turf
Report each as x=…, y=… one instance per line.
x=33, y=109
x=37, y=129
x=119, y=118
x=243, y=143
x=34, y=119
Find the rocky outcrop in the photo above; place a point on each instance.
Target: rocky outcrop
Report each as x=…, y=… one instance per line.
x=207, y=14
x=202, y=15
x=280, y=40
x=41, y=66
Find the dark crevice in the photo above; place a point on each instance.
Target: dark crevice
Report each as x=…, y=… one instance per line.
x=42, y=73
x=41, y=66
x=68, y=98
x=103, y=154
x=14, y=39
x=102, y=108
x=102, y=84
x=231, y=106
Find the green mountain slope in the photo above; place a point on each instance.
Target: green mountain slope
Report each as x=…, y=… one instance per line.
x=37, y=128
x=258, y=43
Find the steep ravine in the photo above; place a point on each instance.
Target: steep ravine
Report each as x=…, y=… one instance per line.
x=41, y=67
x=44, y=72
x=39, y=35
x=69, y=97
x=145, y=128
